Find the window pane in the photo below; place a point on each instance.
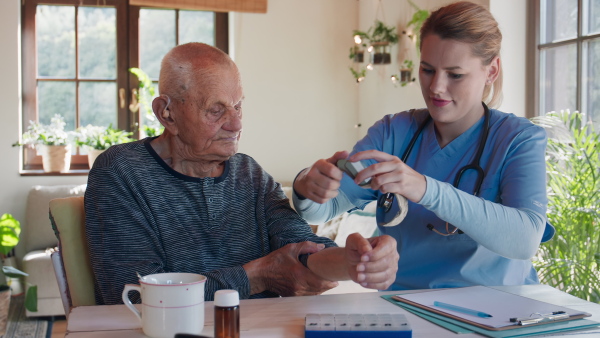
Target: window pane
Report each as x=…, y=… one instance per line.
x=196, y=26
x=559, y=20
x=98, y=103
x=57, y=98
x=97, y=43
x=559, y=78
x=55, y=37
x=592, y=83
x=594, y=16
x=157, y=37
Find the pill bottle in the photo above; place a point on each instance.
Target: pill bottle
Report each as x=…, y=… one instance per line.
x=227, y=314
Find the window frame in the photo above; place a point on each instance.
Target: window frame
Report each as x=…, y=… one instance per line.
x=127, y=31
x=533, y=79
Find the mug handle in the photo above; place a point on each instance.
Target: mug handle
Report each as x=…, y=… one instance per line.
x=128, y=288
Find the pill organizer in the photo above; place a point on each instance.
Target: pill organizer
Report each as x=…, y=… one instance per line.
x=357, y=325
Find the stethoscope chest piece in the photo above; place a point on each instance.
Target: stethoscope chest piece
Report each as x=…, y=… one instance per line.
x=391, y=209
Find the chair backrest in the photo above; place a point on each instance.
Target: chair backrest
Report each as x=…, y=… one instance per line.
x=68, y=221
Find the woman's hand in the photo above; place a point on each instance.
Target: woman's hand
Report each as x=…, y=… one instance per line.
x=321, y=181
x=391, y=175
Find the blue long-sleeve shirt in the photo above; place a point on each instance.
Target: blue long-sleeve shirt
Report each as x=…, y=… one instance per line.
x=502, y=226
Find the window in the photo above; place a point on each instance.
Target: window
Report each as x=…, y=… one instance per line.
x=568, y=57
x=77, y=55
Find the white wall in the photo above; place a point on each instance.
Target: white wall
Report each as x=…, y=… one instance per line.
x=301, y=100
x=512, y=16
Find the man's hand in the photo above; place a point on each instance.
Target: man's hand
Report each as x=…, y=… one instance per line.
x=281, y=272
x=321, y=181
x=372, y=262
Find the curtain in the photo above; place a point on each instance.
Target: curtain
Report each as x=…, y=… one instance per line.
x=250, y=6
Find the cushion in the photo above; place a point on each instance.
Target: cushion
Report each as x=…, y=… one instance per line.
x=68, y=220
x=37, y=232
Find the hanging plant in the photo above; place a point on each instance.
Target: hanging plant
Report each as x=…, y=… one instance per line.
x=416, y=22
x=380, y=37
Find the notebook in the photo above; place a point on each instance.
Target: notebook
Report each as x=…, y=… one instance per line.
x=506, y=310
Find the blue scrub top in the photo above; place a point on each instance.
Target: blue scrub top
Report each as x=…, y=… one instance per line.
x=427, y=259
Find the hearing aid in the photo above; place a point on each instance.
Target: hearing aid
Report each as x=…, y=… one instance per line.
x=165, y=113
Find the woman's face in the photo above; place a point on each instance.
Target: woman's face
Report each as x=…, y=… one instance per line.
x=452, y=81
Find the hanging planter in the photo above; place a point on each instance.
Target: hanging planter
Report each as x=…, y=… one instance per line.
x=381, y=38
x=381, y=53
x=55, y=158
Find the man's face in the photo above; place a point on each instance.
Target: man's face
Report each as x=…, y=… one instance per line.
x=210, y=122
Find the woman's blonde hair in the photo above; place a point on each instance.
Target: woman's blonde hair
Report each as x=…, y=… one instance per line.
x=473, y=24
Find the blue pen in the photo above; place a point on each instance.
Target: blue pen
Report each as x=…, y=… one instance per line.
x=461, y=309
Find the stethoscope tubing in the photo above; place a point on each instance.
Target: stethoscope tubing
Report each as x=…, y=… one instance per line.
x=386, y=200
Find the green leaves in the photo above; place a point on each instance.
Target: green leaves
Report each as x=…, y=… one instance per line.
x=101, y=138
x=571, y=261
x=10, y=229
x=31, y=298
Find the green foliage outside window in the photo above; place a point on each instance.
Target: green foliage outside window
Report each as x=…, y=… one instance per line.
x=571, y=260
x=146, y=93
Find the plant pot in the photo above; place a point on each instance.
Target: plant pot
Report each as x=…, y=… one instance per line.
x=4, y=306
x=359, y=57
x=382, y=58
x=381, y=53
x=92, y=154
x=405, y=75
x=55, y=158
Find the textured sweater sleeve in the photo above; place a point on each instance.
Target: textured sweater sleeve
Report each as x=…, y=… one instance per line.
x=510, y=232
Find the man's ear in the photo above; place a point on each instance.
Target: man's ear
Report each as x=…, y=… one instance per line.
x=162, y=111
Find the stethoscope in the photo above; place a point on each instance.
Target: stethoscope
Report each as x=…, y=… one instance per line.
x=388, y=210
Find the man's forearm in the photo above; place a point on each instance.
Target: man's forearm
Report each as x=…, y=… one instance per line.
x=330, y=264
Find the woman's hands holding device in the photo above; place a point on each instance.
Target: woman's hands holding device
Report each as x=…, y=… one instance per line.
x=321, y=181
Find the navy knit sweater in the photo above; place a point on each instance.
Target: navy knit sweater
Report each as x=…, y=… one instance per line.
x=143, y=216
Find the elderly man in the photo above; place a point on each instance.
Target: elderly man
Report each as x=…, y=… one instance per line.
x=186, y=202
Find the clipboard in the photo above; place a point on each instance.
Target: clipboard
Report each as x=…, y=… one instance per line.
x=502, y=306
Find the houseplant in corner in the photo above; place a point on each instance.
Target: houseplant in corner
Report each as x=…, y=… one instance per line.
x=10, y=229
x=51, y=142
x=571, y=260
x=97, y=139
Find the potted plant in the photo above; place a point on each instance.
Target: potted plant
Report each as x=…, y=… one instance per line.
x=357, y=52
x=51, y=142
x=406, y=72
x=97, y=139
x=381, y=38
x=359, y=75
x=151, y=126
x=417, y=21
x=10, y=229
x=571, y=260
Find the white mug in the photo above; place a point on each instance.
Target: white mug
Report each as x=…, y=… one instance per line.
x=171, y=303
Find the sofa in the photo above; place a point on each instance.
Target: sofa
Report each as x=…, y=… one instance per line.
x=37, y=243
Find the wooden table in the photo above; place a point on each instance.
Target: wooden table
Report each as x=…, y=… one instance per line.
x=284, y=317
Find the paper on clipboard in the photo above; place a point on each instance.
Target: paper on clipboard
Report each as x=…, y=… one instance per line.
x=501, y=305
